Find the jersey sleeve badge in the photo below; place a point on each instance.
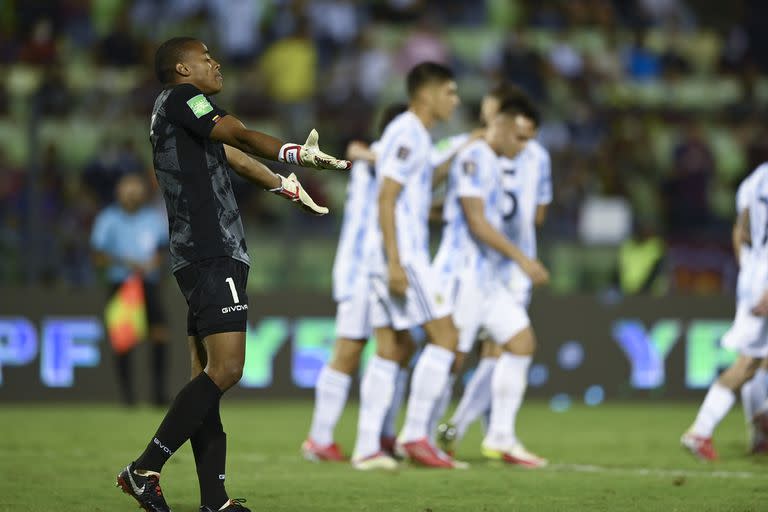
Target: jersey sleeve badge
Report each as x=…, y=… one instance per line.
x=199, y=105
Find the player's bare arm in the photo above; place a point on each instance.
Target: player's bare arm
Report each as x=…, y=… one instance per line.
x=440, y=174
x=541, y=214
x=358, y=150
x=258, y=173
x=232, y=132
x=250, y=168
x=736, y=241
x=390, y=190
x=740, y=233
x=436, y=211
x=474, y=212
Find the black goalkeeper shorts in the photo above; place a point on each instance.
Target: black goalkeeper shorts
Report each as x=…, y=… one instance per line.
x=215, y=293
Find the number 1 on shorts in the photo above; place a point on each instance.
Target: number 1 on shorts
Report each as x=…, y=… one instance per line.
x=231, y=283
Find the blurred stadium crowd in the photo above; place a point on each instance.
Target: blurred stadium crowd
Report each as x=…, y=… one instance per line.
x=653, y=111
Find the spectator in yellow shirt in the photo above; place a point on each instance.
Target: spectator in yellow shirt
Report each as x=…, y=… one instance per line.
x=292, y=92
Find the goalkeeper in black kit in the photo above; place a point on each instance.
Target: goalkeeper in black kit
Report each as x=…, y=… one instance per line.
x=195, y=144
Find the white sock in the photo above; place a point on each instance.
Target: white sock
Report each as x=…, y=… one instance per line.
x=376, y=391
x=440, y=407
x=331, y=393
x=429, y=379
x=508, y=383
x=716, y=405
x=401, y=384
x=753, y=394
x=476, y=398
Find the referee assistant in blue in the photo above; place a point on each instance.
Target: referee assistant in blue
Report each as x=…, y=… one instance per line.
x=129, y=238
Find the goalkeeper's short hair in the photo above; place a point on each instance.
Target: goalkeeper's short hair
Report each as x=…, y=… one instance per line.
x=168, y=55
x=426, y=73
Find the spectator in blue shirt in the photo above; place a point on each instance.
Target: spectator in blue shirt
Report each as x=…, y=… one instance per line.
x=131, y=238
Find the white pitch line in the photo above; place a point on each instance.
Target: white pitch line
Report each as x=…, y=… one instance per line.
x=656, y=472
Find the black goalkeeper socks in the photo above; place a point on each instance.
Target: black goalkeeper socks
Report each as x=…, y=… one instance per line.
x=183, y=418
x=209, y=445
x=159, y=372
x=125, y=377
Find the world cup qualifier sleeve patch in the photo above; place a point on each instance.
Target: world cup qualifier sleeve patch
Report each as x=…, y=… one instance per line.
x=199, y=105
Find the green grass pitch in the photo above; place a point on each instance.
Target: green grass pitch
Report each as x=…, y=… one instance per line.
x=616, y=457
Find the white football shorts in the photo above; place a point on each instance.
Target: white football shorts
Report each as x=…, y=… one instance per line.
x=748, y=334
x=423, y=301
x=501, y=312
x=353, y=314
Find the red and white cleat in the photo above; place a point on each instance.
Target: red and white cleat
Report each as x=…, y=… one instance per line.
x=516, y=456
x=699, y=446
x=316, y=453
x=387, y=444
x=423, y=453
x=378, y=460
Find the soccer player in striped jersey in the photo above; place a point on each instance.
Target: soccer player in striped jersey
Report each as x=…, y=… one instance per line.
x=441, y=156
x=352, y=295
x=478, y=212
x=749, y=332
x=528, y=176
x=405, y=291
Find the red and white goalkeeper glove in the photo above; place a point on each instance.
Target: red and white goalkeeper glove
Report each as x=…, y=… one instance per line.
x=309, y=155
x=291, y=189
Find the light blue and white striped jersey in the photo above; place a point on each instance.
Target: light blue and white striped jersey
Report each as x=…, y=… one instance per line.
x=475, y=172
x=129, y=236
x=527, y=183
x=404, y=157
x=351, y=263
x=746, y=188
x=743, y=193
x=752, y=194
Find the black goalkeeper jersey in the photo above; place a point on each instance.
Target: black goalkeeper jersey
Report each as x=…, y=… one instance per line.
x=193, y=173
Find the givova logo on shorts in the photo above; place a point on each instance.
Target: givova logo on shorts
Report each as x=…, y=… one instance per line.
x=232, y=309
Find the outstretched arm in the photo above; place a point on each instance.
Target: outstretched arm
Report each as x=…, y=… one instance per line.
x=258, y=173
x=231, y=131
x=250, y=168
x=358, y=150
